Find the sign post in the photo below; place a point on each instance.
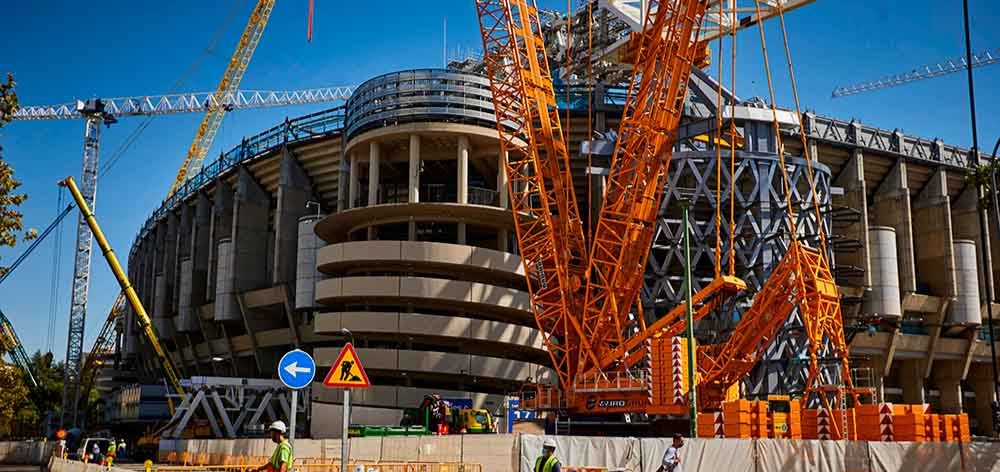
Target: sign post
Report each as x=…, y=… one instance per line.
x=346, y=373
x=296, y=369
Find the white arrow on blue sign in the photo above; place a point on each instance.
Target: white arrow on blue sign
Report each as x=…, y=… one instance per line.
x=296, y=369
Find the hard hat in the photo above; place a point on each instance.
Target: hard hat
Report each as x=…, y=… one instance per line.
x=278, y=426
x=549, y=443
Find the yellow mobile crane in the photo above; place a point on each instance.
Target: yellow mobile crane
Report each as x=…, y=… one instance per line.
x=169, y=369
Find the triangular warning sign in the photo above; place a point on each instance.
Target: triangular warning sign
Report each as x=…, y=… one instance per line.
x=347, y=371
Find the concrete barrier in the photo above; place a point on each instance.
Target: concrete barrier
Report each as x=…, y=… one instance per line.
x=62, y=465
x=25, y=452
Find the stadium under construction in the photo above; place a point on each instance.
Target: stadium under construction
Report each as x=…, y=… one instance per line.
x=389, y=217
x=400, y=222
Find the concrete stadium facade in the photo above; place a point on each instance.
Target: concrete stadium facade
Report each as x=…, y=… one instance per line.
x=389, y=217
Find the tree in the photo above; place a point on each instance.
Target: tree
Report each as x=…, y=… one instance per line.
x=13, y=396
x=11, y=220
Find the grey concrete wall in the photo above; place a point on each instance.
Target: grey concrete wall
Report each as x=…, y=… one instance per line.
x=294, y=191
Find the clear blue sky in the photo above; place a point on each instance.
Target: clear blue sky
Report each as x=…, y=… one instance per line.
x=65, y=49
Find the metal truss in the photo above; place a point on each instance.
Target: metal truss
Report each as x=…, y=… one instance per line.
x=854, y=134
x=191, y=102
x=950, y=66
x=762, y=229
x=232, y=406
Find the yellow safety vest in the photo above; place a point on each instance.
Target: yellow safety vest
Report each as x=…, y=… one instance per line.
x=282, y=453
x=549, y=464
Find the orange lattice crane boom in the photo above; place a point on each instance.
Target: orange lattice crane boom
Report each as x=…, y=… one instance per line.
x=667, y=49
x=547, y=221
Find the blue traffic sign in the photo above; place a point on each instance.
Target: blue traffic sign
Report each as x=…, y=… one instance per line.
x=296, y=369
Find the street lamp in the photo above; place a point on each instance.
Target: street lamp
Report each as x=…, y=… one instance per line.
x=347, y=334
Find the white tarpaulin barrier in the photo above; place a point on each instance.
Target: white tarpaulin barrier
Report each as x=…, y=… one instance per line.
x=906, y=456
x=811, y=456
x=981, y=457
x=729, y=455
x=612, y=453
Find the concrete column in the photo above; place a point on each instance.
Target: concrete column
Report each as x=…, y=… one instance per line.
x=947, y=378
x=294, y=191
x=374, y=161
x=852, y=180
x=504, y=196
x=463, y=181
x=247, y=247
x=250, y=233
x=463, y=170
x=352, y=192
x=892, y=208
x=965, y=225
x=221, y=227
x=414, y=180
x=981, y=380
x=911, y=379
x=933, y=240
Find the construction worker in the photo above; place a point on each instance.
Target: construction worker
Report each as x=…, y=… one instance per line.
x=121, y=448
x=281, y=460
x=547, y=462
x=672, y=458
x=112, y=450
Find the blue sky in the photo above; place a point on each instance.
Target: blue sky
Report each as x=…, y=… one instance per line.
x=66, y=49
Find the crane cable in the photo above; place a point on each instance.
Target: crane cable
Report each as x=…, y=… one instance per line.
x=190, y=71
x=780, y=143
x=718, y=165
x=56, y=275
x=732, y=145
x=41, y=237
x=802, y=136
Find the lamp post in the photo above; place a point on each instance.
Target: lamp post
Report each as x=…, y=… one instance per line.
x=345, y=440
x=983, y=239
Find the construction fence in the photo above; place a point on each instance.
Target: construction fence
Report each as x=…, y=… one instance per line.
x=25, y=452
x=510, y=453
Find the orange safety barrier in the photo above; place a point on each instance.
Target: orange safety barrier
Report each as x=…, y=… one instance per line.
x=317, y=465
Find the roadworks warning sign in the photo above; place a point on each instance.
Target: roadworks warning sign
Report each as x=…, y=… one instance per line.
x=347, y=371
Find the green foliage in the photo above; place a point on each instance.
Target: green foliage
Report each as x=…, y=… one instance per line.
x=13, y=396
x=11, y=225
x=983, y=175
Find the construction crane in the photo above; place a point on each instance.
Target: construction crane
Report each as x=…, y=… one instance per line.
x=582, y=299
x=103, y=349
x=107, y=111
x=11, y=344
x=97, y=111
x=949, y=66
x=170, y=371
x=230, y=82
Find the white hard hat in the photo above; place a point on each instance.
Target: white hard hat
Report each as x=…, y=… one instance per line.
x=549, y=443
x=278, y=426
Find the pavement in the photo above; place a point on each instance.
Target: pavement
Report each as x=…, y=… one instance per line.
x=19, y=468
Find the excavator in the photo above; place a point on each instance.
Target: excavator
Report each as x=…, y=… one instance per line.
x=605, y=358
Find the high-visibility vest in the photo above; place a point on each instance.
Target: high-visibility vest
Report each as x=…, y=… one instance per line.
x=549, y=463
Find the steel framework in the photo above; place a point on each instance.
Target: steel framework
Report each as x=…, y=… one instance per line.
x=950, y=66
x=190, y=102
